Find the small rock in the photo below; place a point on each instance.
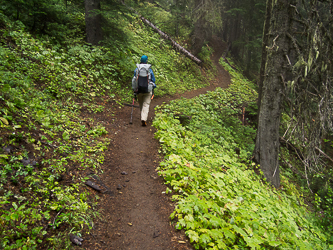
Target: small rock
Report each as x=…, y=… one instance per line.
x=134, y=172
x=124, y=185
x=123, y=173
x=127, y=180
x=27, y=162
x=93, y=185
x=156, y=234
x=8, y=149
x=119, y=187
x=75, y=239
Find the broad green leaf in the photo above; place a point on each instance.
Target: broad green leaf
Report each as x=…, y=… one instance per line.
x=205, y=238
x=228, y=233
x=5, y=121
x=240, y=230
x=274, y=243
x=65, y=136
x=192, y=235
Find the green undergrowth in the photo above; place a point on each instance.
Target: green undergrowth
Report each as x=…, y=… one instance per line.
x=50, y=87
x=47, y=148
x=222, y=200
x=80, y=71
x=41, y=182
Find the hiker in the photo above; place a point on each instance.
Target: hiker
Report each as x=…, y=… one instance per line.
x=143, y=84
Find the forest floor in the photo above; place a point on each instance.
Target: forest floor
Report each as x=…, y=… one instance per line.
x=135, y=214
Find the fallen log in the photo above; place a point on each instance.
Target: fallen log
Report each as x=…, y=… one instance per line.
x=174, y=44
x=166, y=37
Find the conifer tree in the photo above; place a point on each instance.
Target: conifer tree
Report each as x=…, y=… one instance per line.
x=93, y=20
x=297, y=80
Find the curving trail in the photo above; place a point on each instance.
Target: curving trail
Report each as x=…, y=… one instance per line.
x=136, y=215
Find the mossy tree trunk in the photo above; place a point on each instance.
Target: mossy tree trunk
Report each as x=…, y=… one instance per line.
x=272, y=92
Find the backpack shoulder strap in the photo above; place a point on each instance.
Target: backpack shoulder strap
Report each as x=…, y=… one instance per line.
x=138, y=66
x=147, y=67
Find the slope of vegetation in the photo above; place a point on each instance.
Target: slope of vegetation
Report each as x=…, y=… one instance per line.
x=49, y=146
x=50, y=83
x=222, y=202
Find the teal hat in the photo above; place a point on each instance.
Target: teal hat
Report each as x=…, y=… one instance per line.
x=144, y=59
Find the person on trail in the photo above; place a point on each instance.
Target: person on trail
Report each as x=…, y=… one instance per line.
x=143, y=84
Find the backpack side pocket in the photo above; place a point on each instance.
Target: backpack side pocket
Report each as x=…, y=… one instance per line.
x=135, y=84
x=150, y=87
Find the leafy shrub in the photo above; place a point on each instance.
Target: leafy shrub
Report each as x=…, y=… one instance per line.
x=221, y=202
x=40, y=118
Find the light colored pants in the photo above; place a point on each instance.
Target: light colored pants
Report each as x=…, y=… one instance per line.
x=144, y=102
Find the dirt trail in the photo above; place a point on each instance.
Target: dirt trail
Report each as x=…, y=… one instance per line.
x=136, y=215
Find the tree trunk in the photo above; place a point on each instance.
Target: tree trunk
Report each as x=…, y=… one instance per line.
x=265, y=37
x=248, y=59
x=93, y=21
x=236, y=30
x=199, y=36
x=248, y=29
x=177, y=19
x=265, y=40
x=267, y=140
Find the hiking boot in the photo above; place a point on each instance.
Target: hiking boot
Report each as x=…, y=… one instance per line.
x=144, y=123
